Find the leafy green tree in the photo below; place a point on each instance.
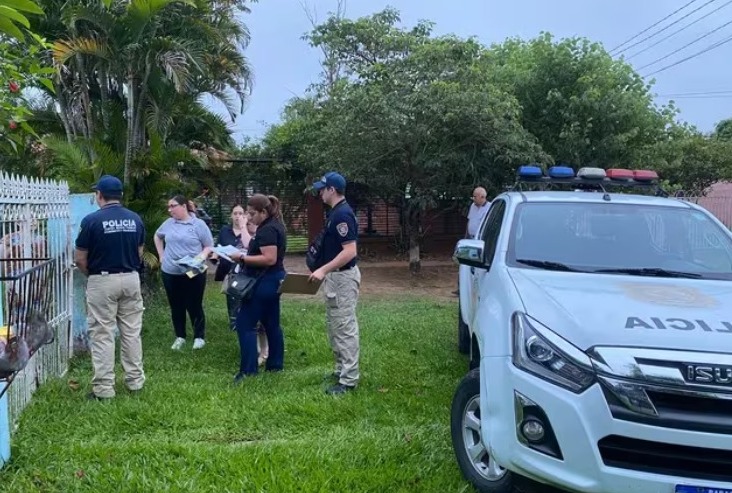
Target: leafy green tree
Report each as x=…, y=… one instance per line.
x=723, y=130
x=414, y=118
x=13, y=17
x=688, y=160
x=584, y=107
x=154, y=60
x=20, y=71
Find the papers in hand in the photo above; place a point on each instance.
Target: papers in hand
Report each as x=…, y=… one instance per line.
x=225, y=251
x=196, y=264
x=193, y=262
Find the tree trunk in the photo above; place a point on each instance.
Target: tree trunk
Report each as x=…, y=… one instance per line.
x=85, y=99
x=67, y=113
x=103, y=88
x=414, y=230
x=140, y=111
x=415, y=264
x=131, y=101
x=63, y=114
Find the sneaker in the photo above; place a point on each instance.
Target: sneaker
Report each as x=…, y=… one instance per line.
x=178, y=344
x=340, y=389
x=198, y=343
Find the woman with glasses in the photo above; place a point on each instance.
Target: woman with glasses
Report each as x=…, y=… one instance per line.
x=265, y=261
x=184, y=235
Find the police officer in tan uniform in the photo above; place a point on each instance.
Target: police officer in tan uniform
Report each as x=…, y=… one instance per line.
x=341, y=281
x=109, y=251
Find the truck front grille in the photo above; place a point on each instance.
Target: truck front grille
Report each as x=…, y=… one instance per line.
x=667, y=459
x=682, y=411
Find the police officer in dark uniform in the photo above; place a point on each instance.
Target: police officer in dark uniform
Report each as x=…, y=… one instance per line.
x=341, y=281
x=109, y=251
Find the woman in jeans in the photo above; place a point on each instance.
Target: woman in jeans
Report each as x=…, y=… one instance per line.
x=265, y=261
x=183, y=234
x=238, y=235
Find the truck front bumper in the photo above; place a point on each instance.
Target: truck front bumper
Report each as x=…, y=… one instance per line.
x=588, y=452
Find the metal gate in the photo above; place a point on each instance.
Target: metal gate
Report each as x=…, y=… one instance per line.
x=36, y=274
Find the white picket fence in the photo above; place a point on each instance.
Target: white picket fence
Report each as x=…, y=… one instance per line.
x=35, y=224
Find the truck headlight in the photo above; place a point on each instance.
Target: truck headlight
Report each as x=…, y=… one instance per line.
x=541, y=352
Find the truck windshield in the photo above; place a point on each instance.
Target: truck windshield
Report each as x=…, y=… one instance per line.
x=613, y=238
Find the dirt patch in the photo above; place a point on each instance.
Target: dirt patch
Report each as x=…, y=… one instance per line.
x=381, y=278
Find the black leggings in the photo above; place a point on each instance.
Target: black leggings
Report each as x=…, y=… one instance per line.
x=186, y=295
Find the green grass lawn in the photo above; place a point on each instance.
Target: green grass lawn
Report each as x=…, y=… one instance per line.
x=192, y=431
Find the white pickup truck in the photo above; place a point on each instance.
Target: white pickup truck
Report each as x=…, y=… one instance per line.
x=599, y=328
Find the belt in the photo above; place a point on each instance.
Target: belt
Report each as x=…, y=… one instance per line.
x=109, y=273
x=345, y=268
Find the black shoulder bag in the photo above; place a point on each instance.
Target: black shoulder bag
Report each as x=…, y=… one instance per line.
x=241, y=285
x=314, y=255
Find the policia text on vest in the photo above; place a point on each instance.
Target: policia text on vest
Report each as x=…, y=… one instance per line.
x=109, y=251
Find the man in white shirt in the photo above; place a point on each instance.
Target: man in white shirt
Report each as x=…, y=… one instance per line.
x=477, y=211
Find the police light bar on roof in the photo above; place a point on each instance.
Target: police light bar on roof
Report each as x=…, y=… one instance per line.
x=645, y=175
x=561, y=172
x=591, y=173
x=619, y=174
x=530, y=171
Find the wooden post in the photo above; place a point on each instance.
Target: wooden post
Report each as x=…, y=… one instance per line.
x=316, y=216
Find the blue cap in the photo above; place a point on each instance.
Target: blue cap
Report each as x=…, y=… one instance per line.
x=108, y=184
x=331, y=179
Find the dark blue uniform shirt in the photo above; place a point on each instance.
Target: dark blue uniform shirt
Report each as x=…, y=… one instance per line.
x=226, y=237
x=341, y=227
x=112, y=237
x=270, y=233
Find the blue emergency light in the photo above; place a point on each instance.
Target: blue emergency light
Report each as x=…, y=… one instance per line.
x=561, y=172
x=530, y=171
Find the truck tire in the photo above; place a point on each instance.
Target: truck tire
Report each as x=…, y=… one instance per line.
x=463, y=333
x=478, y=469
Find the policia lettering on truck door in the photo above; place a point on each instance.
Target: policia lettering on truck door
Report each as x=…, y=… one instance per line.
x=336, y=265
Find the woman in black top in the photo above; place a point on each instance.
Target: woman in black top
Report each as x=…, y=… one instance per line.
x=236, y=235
x=264, y=260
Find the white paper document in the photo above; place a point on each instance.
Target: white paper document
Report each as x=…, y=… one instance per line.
x=225, y=251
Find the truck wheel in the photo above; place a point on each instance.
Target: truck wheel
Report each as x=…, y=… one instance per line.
x=472, y=457
x=463, y=333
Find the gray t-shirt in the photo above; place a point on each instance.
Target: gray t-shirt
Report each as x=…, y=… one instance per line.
x=187, y=237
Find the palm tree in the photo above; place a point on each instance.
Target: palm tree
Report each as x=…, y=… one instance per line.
x=127, y=49
x=141, y=54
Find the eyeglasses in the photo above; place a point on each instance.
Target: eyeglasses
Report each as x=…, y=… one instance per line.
x=172, y=206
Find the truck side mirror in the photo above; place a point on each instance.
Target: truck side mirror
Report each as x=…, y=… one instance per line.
x=471, y=253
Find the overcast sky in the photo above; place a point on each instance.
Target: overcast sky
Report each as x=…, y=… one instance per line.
x=284, y=65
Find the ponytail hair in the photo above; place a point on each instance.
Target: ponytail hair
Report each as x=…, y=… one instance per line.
x=274, y=207
x=266, y=203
